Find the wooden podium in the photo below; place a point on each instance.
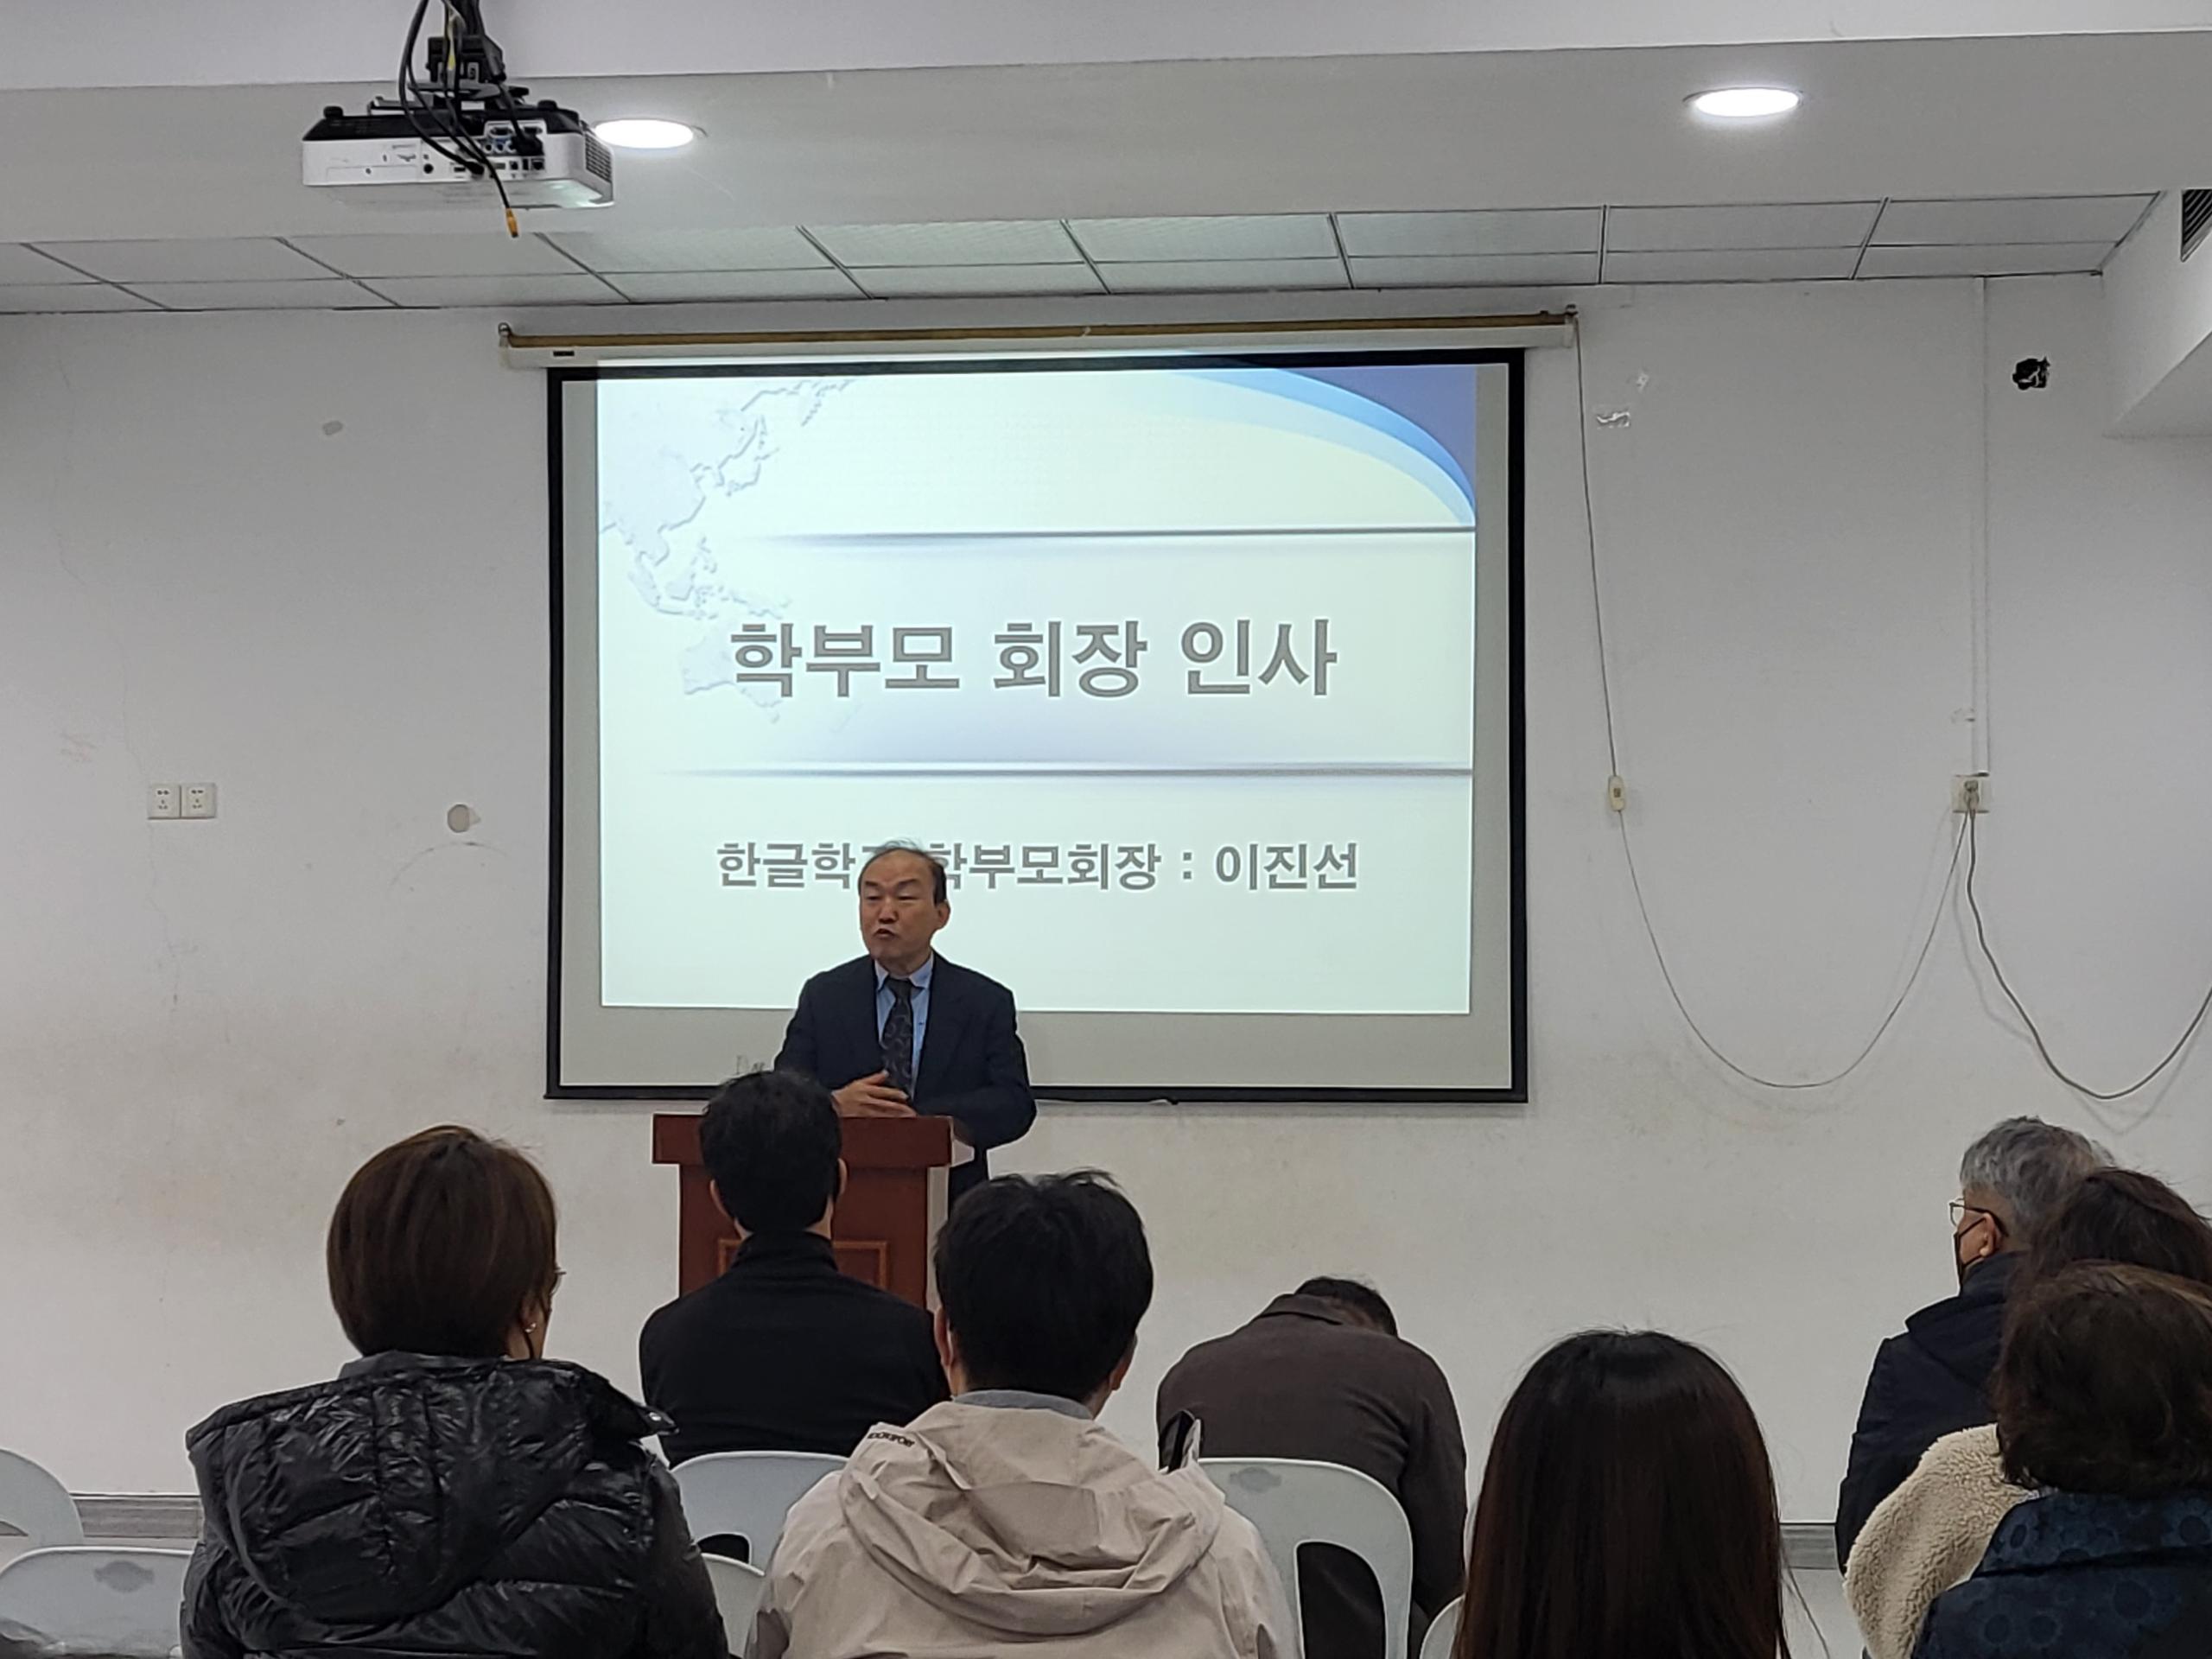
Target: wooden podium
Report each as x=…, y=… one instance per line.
x=894, y=1204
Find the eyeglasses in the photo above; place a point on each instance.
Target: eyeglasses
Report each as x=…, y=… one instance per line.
x=1960, y=1210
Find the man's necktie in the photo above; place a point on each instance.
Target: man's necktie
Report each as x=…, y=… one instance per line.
x=899, y=1036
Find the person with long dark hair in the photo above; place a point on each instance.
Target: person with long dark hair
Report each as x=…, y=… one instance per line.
x=1627, y=1512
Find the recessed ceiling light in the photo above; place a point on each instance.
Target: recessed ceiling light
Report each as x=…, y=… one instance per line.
x=645, y=133
x=1746, y=103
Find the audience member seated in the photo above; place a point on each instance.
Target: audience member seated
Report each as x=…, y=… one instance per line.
x=453, y=1492
x=1322, y=1374
x=1627, y=1512
x=2104, y=1408
x=783, y=1352
x=1934, y=1379
x=1931, y=1532
x=1008, y=1518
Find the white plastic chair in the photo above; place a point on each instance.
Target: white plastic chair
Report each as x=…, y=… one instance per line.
x=108, y=1601
x=1294, y=1501
x=36, y=1504
x=739, y=1586
x=747, y=1494
x=1437, y=1644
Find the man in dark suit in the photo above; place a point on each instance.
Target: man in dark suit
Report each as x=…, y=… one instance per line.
x=901, y=1031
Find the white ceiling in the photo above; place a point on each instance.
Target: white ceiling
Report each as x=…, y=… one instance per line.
x=1520, y=248
x=1530, y=169
x=1926, y=120
x=92, y=43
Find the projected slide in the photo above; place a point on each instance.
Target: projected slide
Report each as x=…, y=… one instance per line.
x=1199, y=673
x=1174, y=667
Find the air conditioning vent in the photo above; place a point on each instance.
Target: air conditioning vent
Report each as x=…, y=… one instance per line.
x=2195, y=220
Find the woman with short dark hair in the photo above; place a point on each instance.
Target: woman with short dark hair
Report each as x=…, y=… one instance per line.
x=1627, y=1512
x=2127, y=1217
x=444, y=1244
x=453, y=1491
x=2104, y=1408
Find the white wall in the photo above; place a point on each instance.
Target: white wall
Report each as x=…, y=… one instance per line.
x=304, y=556
x=2161, y=329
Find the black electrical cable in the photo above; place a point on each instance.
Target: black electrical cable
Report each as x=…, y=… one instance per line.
x=465, y=20
x=457, y=27
x=2034, y=1033
x=415, y=106
x=1628, y=846
x=409, y=95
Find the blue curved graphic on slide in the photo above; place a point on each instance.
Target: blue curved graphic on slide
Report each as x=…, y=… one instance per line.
x=1393, y=432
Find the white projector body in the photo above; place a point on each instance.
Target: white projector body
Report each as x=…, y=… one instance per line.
x=378, y=159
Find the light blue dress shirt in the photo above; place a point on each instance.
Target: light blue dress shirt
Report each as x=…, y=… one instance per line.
x=884, y=999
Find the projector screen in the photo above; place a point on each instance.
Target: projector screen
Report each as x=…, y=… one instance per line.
x=1199, y=674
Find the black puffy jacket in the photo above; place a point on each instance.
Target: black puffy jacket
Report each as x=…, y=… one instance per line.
x=425, y=1506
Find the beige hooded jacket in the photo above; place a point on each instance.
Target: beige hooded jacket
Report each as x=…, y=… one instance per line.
x=981, y=1530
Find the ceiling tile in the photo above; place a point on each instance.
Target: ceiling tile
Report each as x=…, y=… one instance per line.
x=991, y=242
x=69, y=296
x=1252, y=236
x=575, y=288
x=2018, y=219
x=1251, y=275
x=187, y=260
x=924, y=281
x=662, y=286
x=1535, y=229
x=1780, y=225
x=1743, y=265
x=2005, y=259
x=772, y=249
x=324, y=294
x=486, y=253
x=22, y=264
x=1509, y=270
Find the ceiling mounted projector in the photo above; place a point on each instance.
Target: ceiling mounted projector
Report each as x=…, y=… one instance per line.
x=455, y=131
x=545, y=156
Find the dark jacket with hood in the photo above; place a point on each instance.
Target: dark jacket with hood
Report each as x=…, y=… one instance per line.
x=1930, y=1381
x=425, y=1506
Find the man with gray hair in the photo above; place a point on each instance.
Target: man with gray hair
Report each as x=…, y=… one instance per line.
x=1933, y=1379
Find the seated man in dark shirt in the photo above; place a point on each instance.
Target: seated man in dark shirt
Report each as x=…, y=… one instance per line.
x=783, y=1352
x=1323, y=1374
